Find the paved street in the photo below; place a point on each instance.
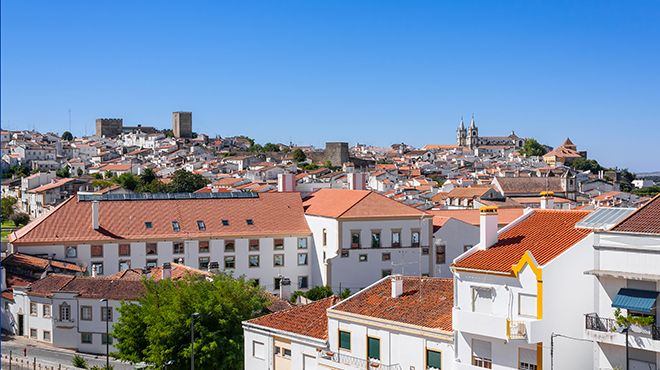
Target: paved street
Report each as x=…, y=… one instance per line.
x=52, y=355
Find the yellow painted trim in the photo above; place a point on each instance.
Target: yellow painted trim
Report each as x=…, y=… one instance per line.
x=508, y=328
x=528, y=259
x=539, y=356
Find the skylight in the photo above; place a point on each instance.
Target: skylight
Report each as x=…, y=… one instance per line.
x=249, y=221
x=148, y=224
x=200, y=225
x=175, y=226
x=225, y=222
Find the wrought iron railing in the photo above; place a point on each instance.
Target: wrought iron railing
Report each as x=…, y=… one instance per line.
x=594, y=322
x=355, y=362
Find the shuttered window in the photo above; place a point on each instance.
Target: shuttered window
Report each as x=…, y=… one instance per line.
x=373, y=348
x=344, y=340
x=433, y=360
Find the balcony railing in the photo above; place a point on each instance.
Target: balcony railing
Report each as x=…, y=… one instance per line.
x=517, y=329
x=594, y=322
x=355, y=362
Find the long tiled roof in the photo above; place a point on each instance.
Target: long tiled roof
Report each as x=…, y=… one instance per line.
x=425, y=302
x=89, y=287
x=309, y=320
x=535, y=185
x=472, y=216
x=272, y=214
x=546, y=233
x=645, y=220
x=351, y=204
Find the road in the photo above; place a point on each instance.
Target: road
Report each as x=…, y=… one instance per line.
x=53, y=355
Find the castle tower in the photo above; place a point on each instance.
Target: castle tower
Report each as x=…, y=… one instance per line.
x=461, y=133
x=472, y=134
x=182, y=124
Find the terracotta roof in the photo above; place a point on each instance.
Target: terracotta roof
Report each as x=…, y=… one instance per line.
x=272, y=214
x=529, y=184
x=26, y=261
x=89, y=287
x=645, y=220
x=546, y=233
x=473, y=192
x=347, y=204
x=52, y=185
x=309, y=320
x=471, y=216
x=425, y=302
x=276, y=303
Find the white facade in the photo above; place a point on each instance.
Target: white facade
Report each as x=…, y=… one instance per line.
x=455, y=237
x=293, y=351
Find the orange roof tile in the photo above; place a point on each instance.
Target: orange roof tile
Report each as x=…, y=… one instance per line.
x=471, y=216
x=546, y=233
x=644, y=220
x=346, y=204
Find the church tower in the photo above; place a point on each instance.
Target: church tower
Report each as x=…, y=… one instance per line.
x=472, y=134
x=461, y=134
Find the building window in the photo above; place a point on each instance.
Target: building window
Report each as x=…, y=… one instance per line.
x=303, y=282
x=302, y=243
x=375, y=239
x=46, y=310
x=86, y=338
x=325, y=237
x=373, y=348
x=425, y=251
x=277, y=281
x=106, y=314
x=355, y=239
x=151, y=249
x=46, y=335
x=177, y=248
x=414, y=239
x=258, y=350
x=527, y=359
x=71, y=251
x=481, y=354
x=151, y=263
x=278, y=260
x=229, y=246
x=363, y=258
x=98, y=266
x=385, y=273
x=203, y=246
x=440, y=255
x=124, y=250
x=344, y=253
x=106, y=339
x=396, y=239
x=124, y=265
x=65, y=312
x=345, y=340
x=34, y=310
x=97, y=251
x=86, y=313
x=148, y=225
x=175, y=226
x=482, y=299
x=253, y=260
x=230, y=262
x=279, y=244
x=203, y=262
x=33, y=333
x=254, y=245
x=201, y=225
x=302, y=259
x=386, y=256
x=225, y=222
x=466, y=247
x=433, y=360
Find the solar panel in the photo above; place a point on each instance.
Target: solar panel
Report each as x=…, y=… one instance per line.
x=604, y=218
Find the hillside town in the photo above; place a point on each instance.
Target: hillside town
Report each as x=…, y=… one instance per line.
x=496, y=252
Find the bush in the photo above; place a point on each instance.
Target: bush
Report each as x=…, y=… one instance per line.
x=79, y=361
x=20, y=218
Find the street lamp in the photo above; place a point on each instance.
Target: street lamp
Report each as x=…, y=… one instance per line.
x=192, y=340
x=625, y=329
x=107, y=333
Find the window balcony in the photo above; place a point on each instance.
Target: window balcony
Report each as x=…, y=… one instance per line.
x=345, y=362
x=606, y=330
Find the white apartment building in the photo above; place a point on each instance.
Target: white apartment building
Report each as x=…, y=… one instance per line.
x=263, y=237
x=361, y=236
x=626, y=275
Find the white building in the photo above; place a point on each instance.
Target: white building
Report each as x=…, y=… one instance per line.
x=361, y=236
x=626, y=275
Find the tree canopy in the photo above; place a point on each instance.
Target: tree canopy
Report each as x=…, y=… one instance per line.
x=186, y=182
x=63, y=172
x=299, y=156
x=156, y=330
x=8, y=207
x=66, y=135
x=583, y=164
x=532, y=148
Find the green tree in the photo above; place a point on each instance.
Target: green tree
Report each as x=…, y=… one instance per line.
x=299, y=156
x=256, y=148
x=102, y=184
x=186, y=182
x=63, y=172
x=80, y=172
x=156, y=330
x=532, y=148
x=20, y=218
x=627, y=178
x=98, y=176
x=270, y=147
x=648, y=191
x=67, y=136
x=147, y=176
x=8, y=207
x=583, y=164
x=127, y=181
x=108, y=174
x=319, y=292
x=168, y=133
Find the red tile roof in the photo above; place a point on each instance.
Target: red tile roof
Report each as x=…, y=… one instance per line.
x=471, y=216
x=29, y=262
x=52, y=185
x=425, y=302
x=645, y=220
x=89, y=287
x=546, y=233
x=309, y=320
x=350, y=204
x=272, y=213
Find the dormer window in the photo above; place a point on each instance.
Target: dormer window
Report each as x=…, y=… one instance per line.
x=249, y=221
x=200, y=225
x=148, y=225
x=225, y=222
x=175, y=226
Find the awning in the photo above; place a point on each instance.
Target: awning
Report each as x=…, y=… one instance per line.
x=636, y=300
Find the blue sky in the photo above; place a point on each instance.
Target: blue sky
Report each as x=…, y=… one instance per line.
x=375, y=72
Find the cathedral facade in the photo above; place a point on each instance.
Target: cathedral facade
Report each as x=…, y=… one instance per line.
x=469, y=137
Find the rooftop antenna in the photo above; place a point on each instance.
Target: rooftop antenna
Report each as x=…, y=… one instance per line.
x=69, y=119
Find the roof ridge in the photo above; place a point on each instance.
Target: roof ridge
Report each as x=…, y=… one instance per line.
x=637, y=210
x=32, y=225
x=356, y=203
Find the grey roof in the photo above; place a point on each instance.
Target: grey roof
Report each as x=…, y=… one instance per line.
x=604, y=218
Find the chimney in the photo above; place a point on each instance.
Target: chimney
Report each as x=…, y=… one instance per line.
x=286, y=182
x=95, y=214
x=487, y=227
x=397, y=285
x=167, y=270
x=357, y=180
x=93, y=270
x=547, y=200
x=285, y=288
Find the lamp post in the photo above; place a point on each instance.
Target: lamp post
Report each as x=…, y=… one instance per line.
x=625, y=329
x=192, y=340
x=107, y=333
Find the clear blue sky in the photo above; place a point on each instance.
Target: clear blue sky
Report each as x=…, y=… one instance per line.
x=375, y=72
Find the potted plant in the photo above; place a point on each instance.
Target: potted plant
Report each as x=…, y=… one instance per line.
x=637, y=324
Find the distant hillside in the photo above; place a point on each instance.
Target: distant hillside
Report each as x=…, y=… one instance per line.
x=648, y=174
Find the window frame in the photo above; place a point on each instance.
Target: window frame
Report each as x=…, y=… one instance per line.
x=443, y=254
x=356, y=239
x=151, y=252
x=306, y=281
x=96, y=250
x=34, y=309
x=203, y=246
x=99, y=271
x=64, y=308
x=363, y=258
x=83, y=317
x=369, y=339
x=124, y=250
x=304, y=244
x=305, y=262
x=254, y=245
x=178, y=248
x=201, y=226
x=386, y=256
x=200, y=262
x=83, y=335
x=413, y=243
x=176, y=226
x=231, y=243
x=107, y=314
x=376, y=239
x=73, y=248
x=46, y=307
x=275, y=257
x=339, y=333
x=233, y=261
x=396, y=244
x=278, y=244
x=426, y=359
x=250, y=260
